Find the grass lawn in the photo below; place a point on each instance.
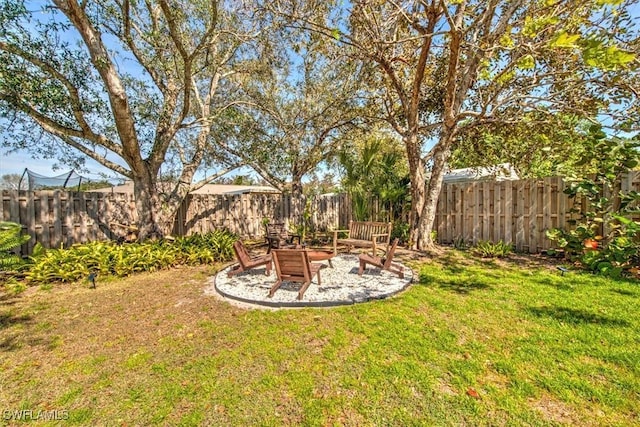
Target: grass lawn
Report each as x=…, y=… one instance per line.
x=475, y=342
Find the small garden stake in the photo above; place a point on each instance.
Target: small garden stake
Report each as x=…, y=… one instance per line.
x=92, y=279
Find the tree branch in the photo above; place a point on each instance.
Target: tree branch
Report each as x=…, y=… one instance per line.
x=115, y=89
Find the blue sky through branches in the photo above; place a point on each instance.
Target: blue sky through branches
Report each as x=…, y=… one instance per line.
x=16, y=162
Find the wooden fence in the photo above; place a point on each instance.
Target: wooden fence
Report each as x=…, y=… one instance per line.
x=243, y=214
x=59, y=219
x=516, y=212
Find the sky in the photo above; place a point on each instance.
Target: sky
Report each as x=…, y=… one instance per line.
x=16, y=162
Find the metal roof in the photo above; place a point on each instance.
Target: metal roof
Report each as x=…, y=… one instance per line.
x=227, y=189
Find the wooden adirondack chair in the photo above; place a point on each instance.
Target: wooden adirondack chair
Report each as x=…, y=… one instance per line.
x=293, y=265
x=278, y=236
x=246, y=262
x=383, y=263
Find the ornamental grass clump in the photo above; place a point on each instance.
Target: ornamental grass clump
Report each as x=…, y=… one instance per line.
x=488, y=249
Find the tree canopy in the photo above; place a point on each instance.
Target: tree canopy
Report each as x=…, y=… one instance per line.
x=297, y=112
x=446, y=66
x=136, y=86
x=374, y=165
x=164, y=88
x=535, y=147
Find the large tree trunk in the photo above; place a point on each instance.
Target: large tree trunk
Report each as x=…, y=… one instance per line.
x=297, y=202
x=417, y=177
x=156, y=212
x=433, y=187
x=147, y=203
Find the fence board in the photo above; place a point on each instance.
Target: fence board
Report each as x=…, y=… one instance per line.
x=475, y=219
x=95, y=226
x=57, y=219
x=450, y=228
x=486, y=211
x=44, y=219
x=548, y=200
x=562, y=204
x=70, y=220
x=80, y=229
x=533, y=216
x=517, y=212
x=31, y=223
x=497, y=214
x=519, y=215
x=508, y=211
x=459, y=231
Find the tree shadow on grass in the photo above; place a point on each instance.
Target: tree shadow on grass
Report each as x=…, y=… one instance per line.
x=7, y=320
x=554, y=283
x=625, y=293
x=576, y=317
x=463, y=288
x=8, y=298
x=9, y=344
x=13, y=339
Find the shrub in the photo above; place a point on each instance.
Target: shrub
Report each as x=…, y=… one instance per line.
x=400, y=231
x=10, y=238
x=109, y=258
x=459, y=243
x=487, y=249
x=206, y=248
x=608, y=214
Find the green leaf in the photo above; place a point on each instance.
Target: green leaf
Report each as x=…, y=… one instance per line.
x=506, y=41
x=597, y=54
x=506, y=77
x=608, y=2
x=565, y=40
x=527, y=62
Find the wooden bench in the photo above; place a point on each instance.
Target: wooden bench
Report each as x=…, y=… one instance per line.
x=363, y=234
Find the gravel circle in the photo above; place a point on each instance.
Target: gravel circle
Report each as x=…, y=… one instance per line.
x=341, y=285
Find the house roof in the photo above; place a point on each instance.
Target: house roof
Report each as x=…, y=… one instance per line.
x=230, y=189
x=226, y=189
x=500, y=172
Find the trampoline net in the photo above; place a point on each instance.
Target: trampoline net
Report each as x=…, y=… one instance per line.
x=34, y=181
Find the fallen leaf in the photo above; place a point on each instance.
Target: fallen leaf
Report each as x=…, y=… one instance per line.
x=473, y=393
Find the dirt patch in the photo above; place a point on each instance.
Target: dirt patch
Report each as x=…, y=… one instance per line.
x=445, y=389
x=555, y=411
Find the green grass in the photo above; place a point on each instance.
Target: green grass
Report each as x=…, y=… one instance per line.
x=532, y=346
